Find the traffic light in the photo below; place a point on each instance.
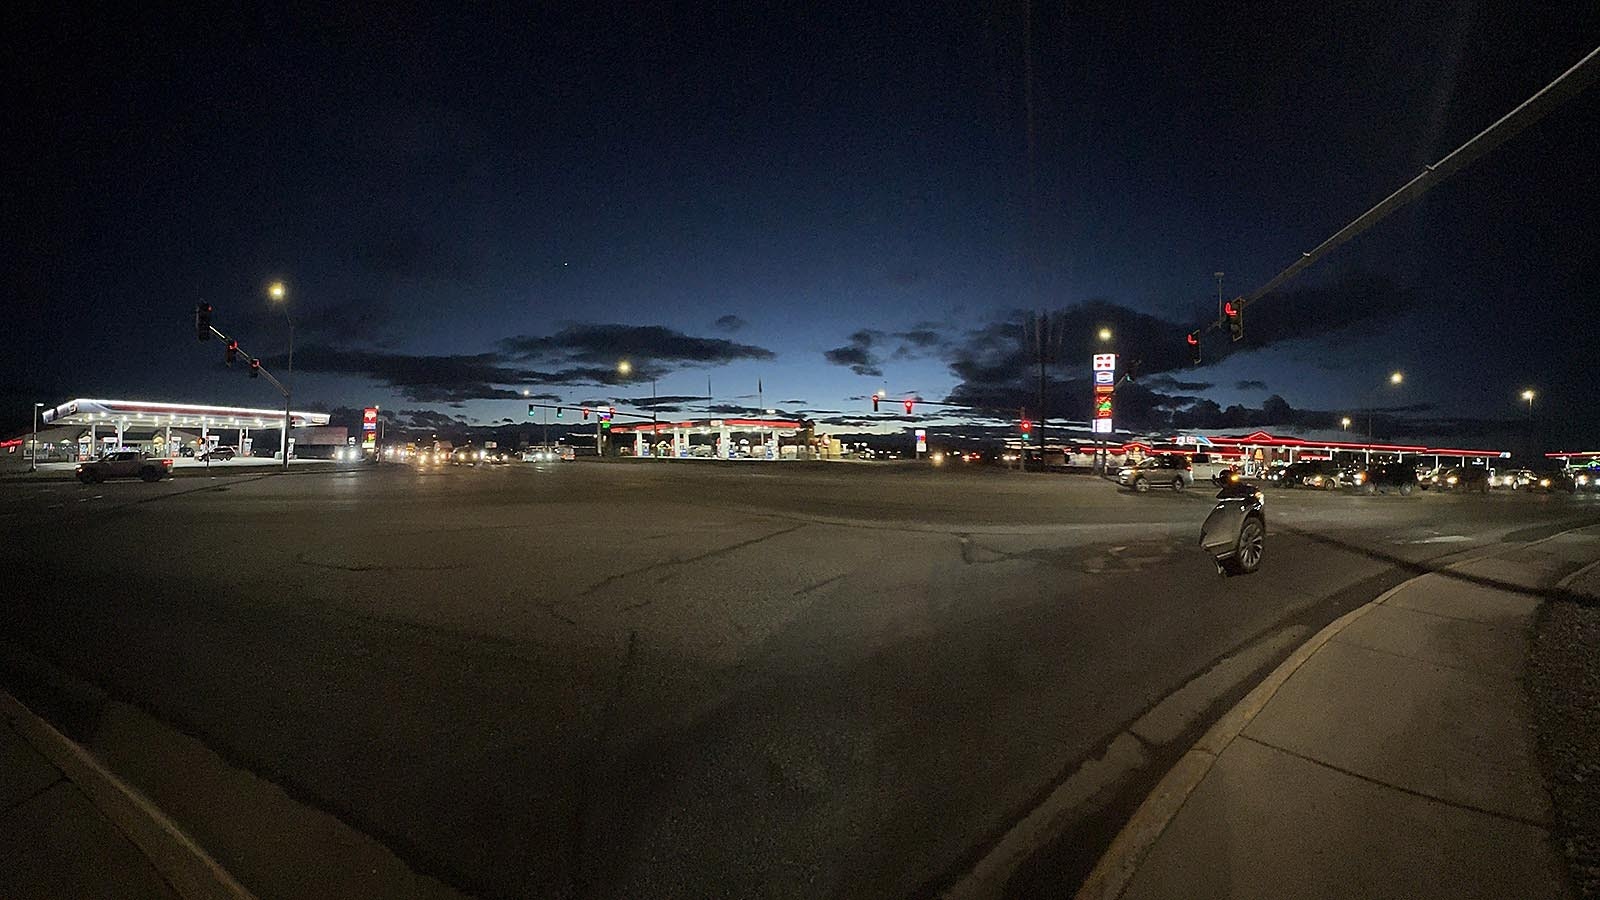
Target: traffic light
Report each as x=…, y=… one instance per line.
x=255, y=368
x=1027, y=429
x=531, y=408
x=1194, y=347
x=586, y=413
x=202, y=321
x=909, y=403
x=560, y=412
x=875, y=402
x=1233, y=317
x=230, y=353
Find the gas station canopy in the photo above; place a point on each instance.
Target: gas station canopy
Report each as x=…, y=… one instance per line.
x=149, y=414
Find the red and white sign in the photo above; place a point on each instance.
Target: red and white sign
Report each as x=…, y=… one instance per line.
x=369, y=419
x=1105, y=362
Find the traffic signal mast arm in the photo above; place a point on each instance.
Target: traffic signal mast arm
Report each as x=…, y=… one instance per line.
x=1570, y=83
x=252, y=361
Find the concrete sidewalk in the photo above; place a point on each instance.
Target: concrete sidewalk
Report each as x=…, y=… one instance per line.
x=54, y=842
x=1391, y=756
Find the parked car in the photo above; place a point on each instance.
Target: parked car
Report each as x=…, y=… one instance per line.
x=1384, y=478
x=124, y=464
x=1515, y=479
x=1463, y=478
x=1551, y=482
x=1586, y=479
x=1157, y=471
x=216, y=453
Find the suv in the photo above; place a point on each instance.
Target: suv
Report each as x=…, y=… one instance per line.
x=1463, y=478
x=217, y=453
x=124, y=464
x=1401, y=478
x=1157, y=471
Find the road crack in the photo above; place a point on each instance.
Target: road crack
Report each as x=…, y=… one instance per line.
x=683, y=561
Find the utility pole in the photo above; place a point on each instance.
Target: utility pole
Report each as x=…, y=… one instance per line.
x=33, y=458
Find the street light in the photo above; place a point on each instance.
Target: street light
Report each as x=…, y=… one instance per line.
x=1528, y=395
x=1345, y=423
x=279, y=294
x=1396, y=377
x=624, y=368
x=1104, y=334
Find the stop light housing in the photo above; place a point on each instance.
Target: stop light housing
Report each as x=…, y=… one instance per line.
x=255, y=368
x=586, y=413
x=909, y=404
x=875, y=402
x=1233, y=318
x=230, y=353
x=1027, y=429
x=531, y=408
x=202, y=321
x=560, y=412
x=1193, y=340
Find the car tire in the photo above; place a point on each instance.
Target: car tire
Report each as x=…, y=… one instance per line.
x=1142, y=485
x=1177, y=485
x=1405, y=490
x=150, y=474
x=1484, y=489
x=86, y=477
x=1246, y=556
x=1369, y=489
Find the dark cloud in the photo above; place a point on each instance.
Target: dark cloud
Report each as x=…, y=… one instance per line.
x=542, y=397
x=859, y=359
x=794, y=403
x=647, y=347
x=730, y=323
x=1250, y=385
x=1169, y=383
x=428, y=418
x=865, y=352
x=443, y=379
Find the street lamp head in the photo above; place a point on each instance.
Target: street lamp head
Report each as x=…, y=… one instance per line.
x=276, y=290
x=1105, y=334
x=624, y=368
x=1528, y=395
x=524, y=392
x=1345, y=421
x=1396, y=377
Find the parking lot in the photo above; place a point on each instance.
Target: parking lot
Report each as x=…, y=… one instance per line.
x=608, y=678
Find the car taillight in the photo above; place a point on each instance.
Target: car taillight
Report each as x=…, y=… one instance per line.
x=167, y=463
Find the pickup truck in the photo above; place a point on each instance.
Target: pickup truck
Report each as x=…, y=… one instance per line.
x=124, y=464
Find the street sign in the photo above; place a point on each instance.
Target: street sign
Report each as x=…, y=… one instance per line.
x=1104, y=376
x=1105, y=362
x=922, y=440
x=1102, y=426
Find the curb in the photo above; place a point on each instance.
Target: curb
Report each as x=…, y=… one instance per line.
x=1122, y=859
x=191, y=872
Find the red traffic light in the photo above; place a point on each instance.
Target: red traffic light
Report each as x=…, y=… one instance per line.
x=586, y=413
x=1027, y=425
x=202, y=321
x=874, y=402
x=230, y=353
x=1227, y=309
x=1193, y=338
x=908, y=406
x=255, y=368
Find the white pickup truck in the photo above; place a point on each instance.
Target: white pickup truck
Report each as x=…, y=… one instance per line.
x=124, y=464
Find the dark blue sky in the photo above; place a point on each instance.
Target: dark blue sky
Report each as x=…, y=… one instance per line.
x=456, y=198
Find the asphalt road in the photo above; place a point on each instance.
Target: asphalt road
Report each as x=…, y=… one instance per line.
x=684, y=679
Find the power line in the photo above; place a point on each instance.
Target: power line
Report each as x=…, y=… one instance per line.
x=1567, y=85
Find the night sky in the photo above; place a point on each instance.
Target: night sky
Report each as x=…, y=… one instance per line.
x=827, y=201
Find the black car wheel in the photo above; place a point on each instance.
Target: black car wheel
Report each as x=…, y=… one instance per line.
x=1369, y=489
x=1405, y=489
x=150, y=473
x=86, y=477
x=1142, y=485
x=1177, y=484
x=1247, y=553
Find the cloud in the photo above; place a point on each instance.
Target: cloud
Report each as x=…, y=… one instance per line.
x=1169, y=383
x=647, y=347
x=427, y=418
x=865, y=352
x=730, y=323
x=1250, y=385
x=794, y=403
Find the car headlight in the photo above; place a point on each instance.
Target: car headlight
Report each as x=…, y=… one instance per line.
x=1360, y=477
x=1451, y=480
x=1583, y=479
x=1544, y=482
